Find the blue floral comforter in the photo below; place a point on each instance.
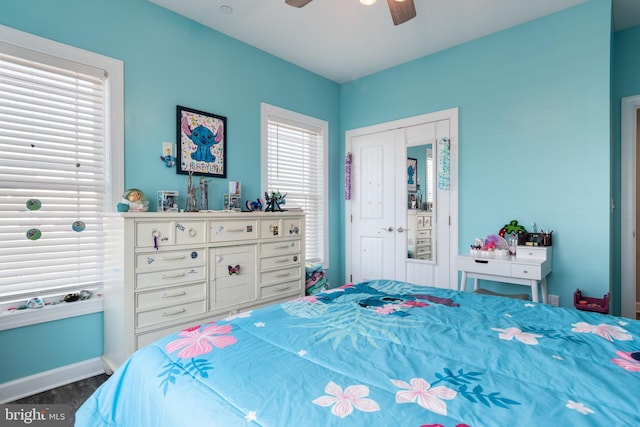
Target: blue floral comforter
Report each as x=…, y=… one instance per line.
x=379, y=354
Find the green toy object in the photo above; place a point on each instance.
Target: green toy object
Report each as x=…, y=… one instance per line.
x=512, y=228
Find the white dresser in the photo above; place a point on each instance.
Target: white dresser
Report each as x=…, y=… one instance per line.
x=168, y=271
x=419, y=234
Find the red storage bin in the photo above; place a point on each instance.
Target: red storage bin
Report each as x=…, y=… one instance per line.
x=600, y=305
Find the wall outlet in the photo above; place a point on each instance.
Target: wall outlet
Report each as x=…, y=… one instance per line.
x=554, y=300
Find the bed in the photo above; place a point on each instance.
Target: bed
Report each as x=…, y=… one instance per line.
x=383, y=353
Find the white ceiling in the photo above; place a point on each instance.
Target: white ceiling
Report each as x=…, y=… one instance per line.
x=343, y=40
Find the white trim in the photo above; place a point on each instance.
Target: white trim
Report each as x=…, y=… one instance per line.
x=449, y=114
x=49, y=313
x=33, y=384
x=628, y=206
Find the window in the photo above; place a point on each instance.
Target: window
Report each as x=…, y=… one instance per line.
x=294, y=156
x=61, y=164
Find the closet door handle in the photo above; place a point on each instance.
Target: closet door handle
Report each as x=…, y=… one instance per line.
x=389, y=229
x=400, y=229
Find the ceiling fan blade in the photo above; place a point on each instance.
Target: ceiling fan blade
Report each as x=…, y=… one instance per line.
x=297, y=3
x=401, y=11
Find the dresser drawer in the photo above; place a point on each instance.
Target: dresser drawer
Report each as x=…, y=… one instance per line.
x=423, y=234
x=292, y=227
x=480, y=265
x=279, y=276
x=191, y=232
x=280, y=248
x=170, y=314
x=152, y=234
x=232, y=261
x=526, y=271
x=155, y=261
x=229, y=230
x=170, y=296
x=170, y=277
x=280, y=289
x=270, y=228
x=279, y=261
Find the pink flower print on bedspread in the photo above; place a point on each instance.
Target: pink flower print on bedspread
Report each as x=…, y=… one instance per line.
x=195, y=342
x=608, y=332
x=629, y=360
x=343, y=402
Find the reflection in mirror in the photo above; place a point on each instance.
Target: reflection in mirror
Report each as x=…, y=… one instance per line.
x=420, y=202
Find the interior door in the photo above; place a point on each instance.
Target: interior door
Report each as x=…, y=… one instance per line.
x=373, y=206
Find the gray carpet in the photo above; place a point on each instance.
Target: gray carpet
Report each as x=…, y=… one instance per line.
x=73, y=394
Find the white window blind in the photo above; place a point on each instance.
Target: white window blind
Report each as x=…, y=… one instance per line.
x=296, y=165
x=52, y=140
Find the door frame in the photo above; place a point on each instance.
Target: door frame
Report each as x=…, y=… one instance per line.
x=628, y=207
x=449, y=114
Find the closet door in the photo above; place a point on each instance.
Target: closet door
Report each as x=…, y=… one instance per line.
x=374, y=205
x=378, y=235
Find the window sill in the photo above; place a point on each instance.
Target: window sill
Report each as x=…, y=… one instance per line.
x=31, y=316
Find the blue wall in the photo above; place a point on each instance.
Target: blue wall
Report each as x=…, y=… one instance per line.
x=534, y=131
x=170, y=60
x=534, y=123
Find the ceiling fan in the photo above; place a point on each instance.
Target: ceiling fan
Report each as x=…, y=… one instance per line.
x=401, y=10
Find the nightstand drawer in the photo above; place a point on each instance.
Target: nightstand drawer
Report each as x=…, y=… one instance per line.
x=169, y=277
x=480, y=265
x=533, y=252
x=170, y=314
x=526, y=271
x=170, y=296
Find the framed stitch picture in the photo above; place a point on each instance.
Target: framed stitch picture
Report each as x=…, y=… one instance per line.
x=412, y=174
x=202, y=142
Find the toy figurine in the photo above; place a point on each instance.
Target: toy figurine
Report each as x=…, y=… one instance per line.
x=135, y=199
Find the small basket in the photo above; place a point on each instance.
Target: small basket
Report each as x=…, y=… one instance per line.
x=600, y=305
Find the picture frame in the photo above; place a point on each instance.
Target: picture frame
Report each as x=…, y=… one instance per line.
x=201, y=142
x=412, y=174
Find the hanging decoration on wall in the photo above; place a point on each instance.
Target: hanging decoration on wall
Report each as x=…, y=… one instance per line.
x=444, y=165
x=33, y=204
x=347, y=177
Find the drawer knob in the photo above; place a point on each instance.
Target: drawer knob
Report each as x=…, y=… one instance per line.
x=233, y=269
x=192, y=232
x=281, y=288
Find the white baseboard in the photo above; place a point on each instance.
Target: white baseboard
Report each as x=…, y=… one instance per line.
x=33, y=384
